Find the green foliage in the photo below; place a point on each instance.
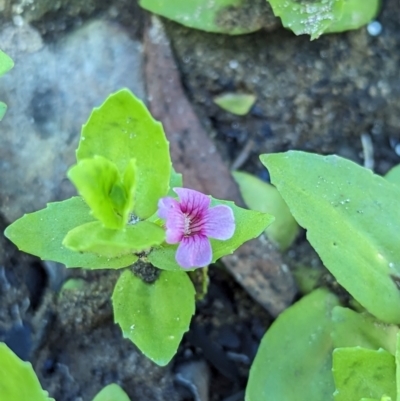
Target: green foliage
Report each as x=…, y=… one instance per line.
x=109, y=195
x=122, y=129
x=42, y=233
x=265, y=198
x=352, y=219
x=154, y=316
x=315, y=17
x=249, y=224
x=18, y=380
x=206, y=15
x=5, y=65
x=360, y=372
x=393, y=175
x=112, y=392
x=236, y=103
x=295, y=355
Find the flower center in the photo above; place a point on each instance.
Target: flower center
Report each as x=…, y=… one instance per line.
x=192, y=225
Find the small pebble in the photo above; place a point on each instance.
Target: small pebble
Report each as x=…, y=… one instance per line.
x=374, y=28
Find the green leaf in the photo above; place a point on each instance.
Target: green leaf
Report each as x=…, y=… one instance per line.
x=352, y=219
x=265, y=198
x=310, y=17
x=93, y=237
x=220, y=16
x=18, y=380
x=6, y=63
x=175, y=181
x=360, y=372
x=236, y=103
x=154, y=316
x=249, y=224
x=356, y=13
x=353, y=329
x=294, y=359
x=397, y=360
x=3, y=109
x=101, y=185
x=393, y=175
x=41, y=233
x=122, y=129
x=112, y=392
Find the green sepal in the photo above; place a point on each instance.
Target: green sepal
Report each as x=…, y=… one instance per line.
x=249, y=224
x=41, y=233
x=18, y=381
x=360, y=372
x=109, y=196
x=112, y=392
x=154, y=316
x=352, y=218
x=122, y=129
x=294, y=360
x=93, y=237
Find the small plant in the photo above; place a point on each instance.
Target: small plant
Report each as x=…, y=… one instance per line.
x=5, y=65
x=18, y=382
x=318, y=349
x=127, y=216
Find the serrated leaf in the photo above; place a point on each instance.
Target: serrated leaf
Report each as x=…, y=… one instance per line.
x=356, y=13
x=207, y=15
x=353, y=329
x=154, y=316
x=236, y=103
x=93, y=237
x=360, y=372
x=3, y=109
x=265, y=198
x=249, y=224
x=352, y=218
x=112, y=392
x=122, y=129
x=310, y=17
x=6, y=63
x=41, y=233
x=99, y=182
x=294, y=359
x=18, y=380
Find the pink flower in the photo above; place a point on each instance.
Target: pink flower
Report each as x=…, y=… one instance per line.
x=190, y=222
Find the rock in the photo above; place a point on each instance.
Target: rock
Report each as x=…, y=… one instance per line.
x=50, y=94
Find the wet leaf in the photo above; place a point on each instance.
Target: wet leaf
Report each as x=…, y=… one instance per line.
x=112, y=392
x=41, y=233
x=236, y=103
x=265, y=198
x=295, y=354
x=249, y=224
x=93, y=237
x=204, y=14
x=352, y=218
x=18, y=380
x=122, y=129
x=154, y=316
x=360, y=372
x=310, y=17
x=6, y=63
x=101, y=185
x=356, y=13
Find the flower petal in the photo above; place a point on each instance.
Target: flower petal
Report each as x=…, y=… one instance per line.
x=194, y=251
x=192, y=202
x=165, y=205
x=219, y=222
